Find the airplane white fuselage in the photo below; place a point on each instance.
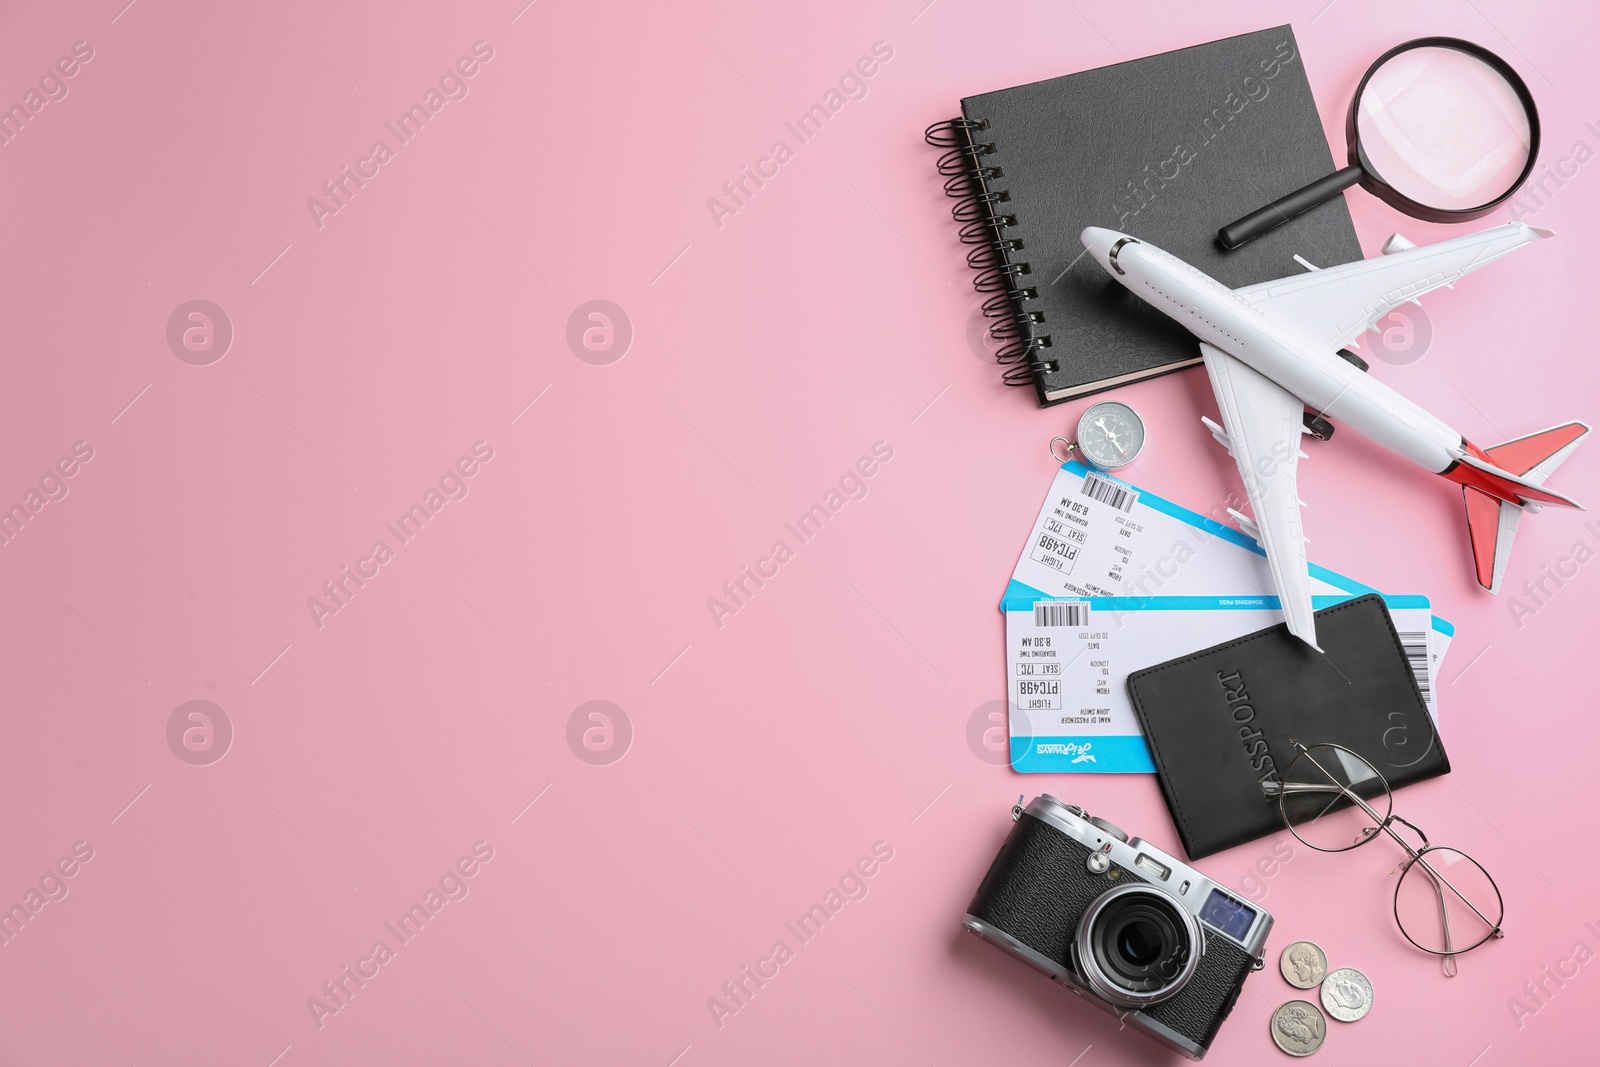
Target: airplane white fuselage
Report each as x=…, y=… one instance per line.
x=1300, y=364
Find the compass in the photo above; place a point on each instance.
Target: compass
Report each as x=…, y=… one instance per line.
x=1110, y=435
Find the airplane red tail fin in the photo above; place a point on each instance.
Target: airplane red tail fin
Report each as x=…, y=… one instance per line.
x=1491, y=519
x=1526, y=453
x=1484, y=527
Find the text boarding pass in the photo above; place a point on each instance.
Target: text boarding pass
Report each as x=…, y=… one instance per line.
x=1098, y=536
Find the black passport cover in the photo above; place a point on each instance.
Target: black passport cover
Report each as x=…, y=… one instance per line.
x=1168, y=148
x=1359, y=693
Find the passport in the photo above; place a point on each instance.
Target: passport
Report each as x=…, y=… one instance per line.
x=1218, y=722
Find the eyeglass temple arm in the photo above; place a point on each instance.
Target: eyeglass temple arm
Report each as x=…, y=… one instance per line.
x=1449, y=963
x=1280, y=789
x=1449, y=954
x=1437, y=878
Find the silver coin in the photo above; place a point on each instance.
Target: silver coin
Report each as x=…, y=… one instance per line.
x=1347, y=994
x=1298, y=1028
x=1304, y=965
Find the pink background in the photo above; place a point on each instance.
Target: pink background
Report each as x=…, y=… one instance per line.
x=767, y=754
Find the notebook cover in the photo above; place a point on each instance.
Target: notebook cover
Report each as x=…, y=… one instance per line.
x=1359, y=692
x=1168, y=148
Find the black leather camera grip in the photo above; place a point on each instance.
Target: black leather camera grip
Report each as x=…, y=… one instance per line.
x=1039, y=886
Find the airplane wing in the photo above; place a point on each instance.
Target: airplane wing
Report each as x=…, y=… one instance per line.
x=1264, y=424
x=1338, y=304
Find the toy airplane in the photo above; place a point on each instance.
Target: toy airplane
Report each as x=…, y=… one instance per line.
x=1275, y=349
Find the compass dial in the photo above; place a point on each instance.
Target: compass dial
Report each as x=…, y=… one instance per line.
x=1110, y=435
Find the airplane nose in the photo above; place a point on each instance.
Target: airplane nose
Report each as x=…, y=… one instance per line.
x=1098, y=238
x=1099, y=241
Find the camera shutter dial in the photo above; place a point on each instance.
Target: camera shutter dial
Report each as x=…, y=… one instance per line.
x=1110, y=827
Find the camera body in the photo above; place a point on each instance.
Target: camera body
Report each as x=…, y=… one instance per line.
x=1120, y=923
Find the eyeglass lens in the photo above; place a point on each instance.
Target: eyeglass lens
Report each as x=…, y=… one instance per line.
x=1316, y=806
x=1446, y=902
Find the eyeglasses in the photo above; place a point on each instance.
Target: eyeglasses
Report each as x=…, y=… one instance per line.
x=1333, y=800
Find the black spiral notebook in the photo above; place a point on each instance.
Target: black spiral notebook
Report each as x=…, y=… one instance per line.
x=1166, y=148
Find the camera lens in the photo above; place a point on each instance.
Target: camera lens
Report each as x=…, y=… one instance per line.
x=1137, y=945
x=1140, y=942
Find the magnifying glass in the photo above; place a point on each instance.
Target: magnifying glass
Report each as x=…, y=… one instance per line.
x=1440, y=128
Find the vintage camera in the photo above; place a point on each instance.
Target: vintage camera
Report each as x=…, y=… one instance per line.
x=1120, y=923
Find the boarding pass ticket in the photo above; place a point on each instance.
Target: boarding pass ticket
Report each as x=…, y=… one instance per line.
x=1068, y=663
x=1098, y=536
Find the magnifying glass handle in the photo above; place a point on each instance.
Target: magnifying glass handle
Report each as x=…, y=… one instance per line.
x=1280, y=211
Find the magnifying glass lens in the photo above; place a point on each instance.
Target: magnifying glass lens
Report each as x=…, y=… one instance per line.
x=1440, y=128
x=1443, y=128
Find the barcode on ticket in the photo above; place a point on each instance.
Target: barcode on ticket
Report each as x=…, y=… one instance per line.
x=1107, y=492
x=1061, y=613
x=1415, y=644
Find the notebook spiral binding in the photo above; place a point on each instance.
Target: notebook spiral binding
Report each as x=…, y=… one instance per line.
x=972, y=184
